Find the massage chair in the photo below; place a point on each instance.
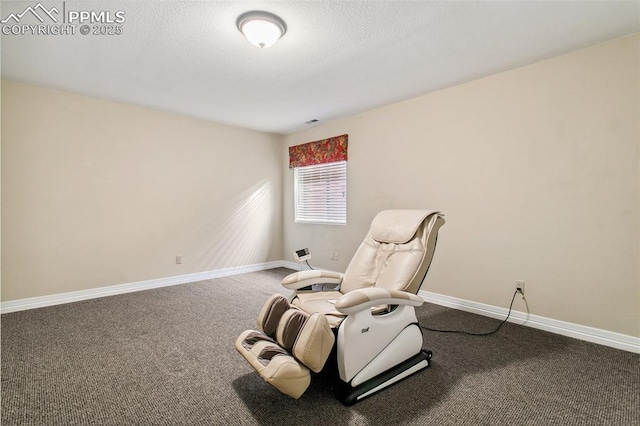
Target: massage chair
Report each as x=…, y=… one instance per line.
x=365, y=328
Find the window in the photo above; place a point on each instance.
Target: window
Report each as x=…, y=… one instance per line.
x=321, y=193
x=320, y=180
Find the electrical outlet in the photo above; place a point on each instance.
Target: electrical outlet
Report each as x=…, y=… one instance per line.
x=335, y=255
x=520, y=286
x=178, y=260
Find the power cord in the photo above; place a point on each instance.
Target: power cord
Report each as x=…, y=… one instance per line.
x=307, y=262
x=477, y=334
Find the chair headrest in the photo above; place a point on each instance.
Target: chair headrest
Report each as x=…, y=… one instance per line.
x=398, y=226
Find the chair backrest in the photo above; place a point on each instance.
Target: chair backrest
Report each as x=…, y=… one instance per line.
x=396, y=253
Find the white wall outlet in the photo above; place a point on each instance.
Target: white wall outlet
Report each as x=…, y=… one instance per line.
x=335, y=255
x=520, y=286
x=178, y=260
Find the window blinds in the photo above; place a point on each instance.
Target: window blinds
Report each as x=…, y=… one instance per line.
x=321, y=193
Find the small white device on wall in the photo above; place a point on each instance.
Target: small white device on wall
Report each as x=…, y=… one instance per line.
x=302, y=255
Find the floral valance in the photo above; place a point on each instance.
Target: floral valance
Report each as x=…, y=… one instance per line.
x=319, y=152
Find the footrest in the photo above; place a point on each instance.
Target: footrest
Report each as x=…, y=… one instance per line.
x=288, y=346
x=275, y=365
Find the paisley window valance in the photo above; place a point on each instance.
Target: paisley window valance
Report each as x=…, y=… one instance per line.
x=323, y=151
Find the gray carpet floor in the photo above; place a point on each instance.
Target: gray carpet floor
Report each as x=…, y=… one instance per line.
x=167, y=357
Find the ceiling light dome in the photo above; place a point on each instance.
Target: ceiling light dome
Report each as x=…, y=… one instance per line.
x=262, y=29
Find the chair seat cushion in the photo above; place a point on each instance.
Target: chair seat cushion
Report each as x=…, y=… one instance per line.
x=322, y=302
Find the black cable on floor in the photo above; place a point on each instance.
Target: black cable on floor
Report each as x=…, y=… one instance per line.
x=477, y=334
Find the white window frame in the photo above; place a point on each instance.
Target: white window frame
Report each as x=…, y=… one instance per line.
x=320, y=193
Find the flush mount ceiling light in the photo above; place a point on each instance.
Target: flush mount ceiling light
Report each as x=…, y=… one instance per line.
x=262, y=29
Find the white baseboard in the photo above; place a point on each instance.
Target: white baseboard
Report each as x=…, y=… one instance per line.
x=288, y=264
x=75, y=296
x=589, y=334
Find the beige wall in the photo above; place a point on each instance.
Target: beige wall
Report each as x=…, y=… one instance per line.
x=96, y=193
x=536, y=170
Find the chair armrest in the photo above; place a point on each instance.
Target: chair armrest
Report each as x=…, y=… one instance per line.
x=302, y=279
x=366, y=298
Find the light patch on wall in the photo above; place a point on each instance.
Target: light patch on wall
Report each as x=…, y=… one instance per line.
x=242, y=235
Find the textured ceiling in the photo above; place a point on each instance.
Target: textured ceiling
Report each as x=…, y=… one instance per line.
x=337, y=57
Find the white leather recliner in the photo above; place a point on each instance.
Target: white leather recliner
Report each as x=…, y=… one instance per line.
x=368, y=323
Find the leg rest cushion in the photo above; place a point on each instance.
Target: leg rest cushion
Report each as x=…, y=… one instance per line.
x=276, y=366
x=271, y=312
x=289, y=327
x=314, y=342
x=300, y=342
